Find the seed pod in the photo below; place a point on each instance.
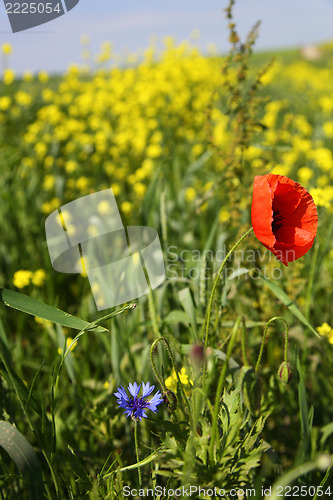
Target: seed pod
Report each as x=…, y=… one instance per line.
x=285, y=372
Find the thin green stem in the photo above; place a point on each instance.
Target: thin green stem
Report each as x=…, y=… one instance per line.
x=210, y=303
x=220, y=387
x=137, y=450
x=264, y=340
x=205, y=327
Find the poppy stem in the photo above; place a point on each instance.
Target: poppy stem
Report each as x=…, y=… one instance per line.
x=158, y=376
x=264, y=339
x=210, y=303
x=137, y=450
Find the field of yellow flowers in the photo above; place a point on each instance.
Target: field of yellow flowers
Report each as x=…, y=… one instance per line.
x=179, y=137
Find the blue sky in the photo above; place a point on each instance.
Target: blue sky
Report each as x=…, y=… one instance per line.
x=129, y=23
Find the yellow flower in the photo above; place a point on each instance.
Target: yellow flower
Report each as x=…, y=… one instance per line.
x=27, y=76
x=49, y=181
x=324, y=329
x=304, y=175
x=82, y=183
x=171, y=381
x=197, y=150
x=328, y=129
x=38, y=277
x=190, y=194
x=23, y=98
x=139, y=189
x=154, y=150
x=104, y=208
x=224, y=215
x=8, y=76
x=126, y=207
x=70, y=166
x=6, y=48
x=4, y=103
x=69, y=340
x=43, y=322
x=43, y=76
x=22, y=278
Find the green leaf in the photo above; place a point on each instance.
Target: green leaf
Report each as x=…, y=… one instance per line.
x=283, y=297
x=304, y=413
x=32, y=306
x=176, y=316
x=25, y=458
x=326, y=431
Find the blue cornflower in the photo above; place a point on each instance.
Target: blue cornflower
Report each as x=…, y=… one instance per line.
x=134, y=405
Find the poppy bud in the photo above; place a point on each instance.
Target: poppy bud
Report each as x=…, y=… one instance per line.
x=197, y=355
x=285, y=372
x=251, y=386
x=170, y=399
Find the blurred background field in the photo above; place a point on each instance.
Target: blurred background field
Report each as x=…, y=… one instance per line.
x=179, y=137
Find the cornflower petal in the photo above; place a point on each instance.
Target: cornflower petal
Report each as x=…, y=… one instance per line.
x=155, y=401
x=134, y=389
x=121, y=394
x=147, y=389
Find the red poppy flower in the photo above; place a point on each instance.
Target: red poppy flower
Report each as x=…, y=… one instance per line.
x=284, y=216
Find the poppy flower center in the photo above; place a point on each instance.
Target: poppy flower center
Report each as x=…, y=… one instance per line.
x=277, y=220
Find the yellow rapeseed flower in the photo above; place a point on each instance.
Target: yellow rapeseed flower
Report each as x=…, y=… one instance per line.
x=43, y=76
x=190, y=194
x=6, y=48
x=22, y=278
x=4, y=103
x=126, y=208
x=8, y=76
x=324, y=329
x=38, y=277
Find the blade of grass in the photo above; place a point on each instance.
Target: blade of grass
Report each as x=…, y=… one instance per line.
x=286, y=300
x=25, y=458
x=28, y=305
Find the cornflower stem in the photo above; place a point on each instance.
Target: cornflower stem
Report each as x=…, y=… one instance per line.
x=210, y=303
x=286, y=338
x=136, y=441
x=220, y=386
x=157, y=374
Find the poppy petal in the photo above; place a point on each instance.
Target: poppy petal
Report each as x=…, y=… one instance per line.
x=262, y=211
x=284, y=216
